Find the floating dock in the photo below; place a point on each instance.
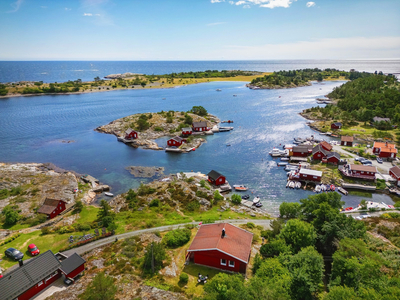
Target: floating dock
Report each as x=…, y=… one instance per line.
x=176, y=150
x=358, y=186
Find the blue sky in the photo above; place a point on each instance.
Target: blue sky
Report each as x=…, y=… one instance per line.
x=199, y=29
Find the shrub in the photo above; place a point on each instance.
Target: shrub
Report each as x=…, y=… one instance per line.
x=251, y=225
x=218, y=196
x=183, y=278
x=158, y=128
x=236, y=199
x=78, y=206
x=177, y=238
x=154, y=203
x=45, y=230
x=193, y=205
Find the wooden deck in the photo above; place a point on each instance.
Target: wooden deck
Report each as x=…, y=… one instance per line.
x=358, y=186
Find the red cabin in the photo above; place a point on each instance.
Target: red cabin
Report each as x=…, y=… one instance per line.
x=359, y=171
x=347, y=141
x=336, y=125
x=333, y=158
x=310, y=175
x=222, y=246
x=395, y=173
x=200, y=126
x=326, y=145
x=216, y=178
x=318, y=152
x=32, y=277
x=186, y=131
x=52, y=207
x=131, y=134
x=301, y=151
x=385, y=150
x=176, y=141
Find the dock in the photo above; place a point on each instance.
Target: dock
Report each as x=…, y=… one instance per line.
x=224, y=188
x=247, y=203
x=358, y=186
x=176, y=150
x=296, y=158
x=121, y=139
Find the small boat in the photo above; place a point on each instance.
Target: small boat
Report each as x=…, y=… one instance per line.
x=258, y=204
x=348, y=208
x=245, y=197
x=256, y=200
x=287, y=183
x=333, y=188
x=218, y=90
x=282, y=164
x=234, y=95
x=275, y=152
x=328, y=187
x=240, y=188
x=164, y=98
x=323, y=187
x=109, y=194
x=298, y=185
x=228, y=145
x=342, y=190
x=291, y=184
x=317, y=189
x=284, y=158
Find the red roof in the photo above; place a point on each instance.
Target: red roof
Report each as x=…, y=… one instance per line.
x=326, y=145
x=236, y=243
x=396, y=171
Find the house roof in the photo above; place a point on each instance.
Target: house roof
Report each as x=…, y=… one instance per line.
x=187, y=129
x=378, y=119
x=300, y=149
x=236, y=243
x=128, y=131
x=333, y=154
x=23, y=278
x=71, y=263
x=326, y=145
x=319, y=148
x=363, y=168
x=386, y=147
x=346, y=138
x=199, y=124
x=337, y=124
x=310, y=172
x=396, y=171
x=214, y=174
x=178, y=139
x=48, y=206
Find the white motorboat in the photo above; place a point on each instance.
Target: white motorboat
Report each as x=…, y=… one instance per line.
x=275, y=152
x=323, y=187
x=256, y=200
x=284, y=158
x=291, y=184
x=109, y=194
x=317, y=189
x=298, y=185
x=218, y=90
x=291, y=168
x=282, y=164
x=287, y=183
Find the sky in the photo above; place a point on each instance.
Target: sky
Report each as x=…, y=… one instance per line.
x=199, y=29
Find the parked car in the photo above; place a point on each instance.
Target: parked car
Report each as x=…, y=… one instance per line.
x=33, y=250
x=379, y=160
x=366, y=162
x=360, y=159
x=14, y=253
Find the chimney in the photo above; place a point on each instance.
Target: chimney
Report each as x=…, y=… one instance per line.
x=21, y=263
x=223, y=232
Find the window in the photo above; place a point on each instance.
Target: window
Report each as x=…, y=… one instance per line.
x=315, y=177
x=40, y=283
x=231, y=263
x=223, y=262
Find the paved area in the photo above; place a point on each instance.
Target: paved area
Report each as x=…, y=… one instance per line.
x=56, y=286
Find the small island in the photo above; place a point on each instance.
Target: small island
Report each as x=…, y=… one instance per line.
x=140, y=130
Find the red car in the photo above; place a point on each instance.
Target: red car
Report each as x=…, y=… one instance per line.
x=33, y=250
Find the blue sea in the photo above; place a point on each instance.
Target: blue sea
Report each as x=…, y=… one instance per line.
x=32, y=129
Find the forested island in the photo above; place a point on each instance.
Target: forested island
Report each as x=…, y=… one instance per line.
x=297, y=78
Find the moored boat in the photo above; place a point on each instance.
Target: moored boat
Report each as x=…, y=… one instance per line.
x=109, y=194
x=284, y=158
x=258, y=204
x=317, y=189
x=275, y=152
x=282, y=164
x=240, y=188
x=298, y=185
x=342, y=190
x=256, y=200
x=333, y=188
x=291, y=184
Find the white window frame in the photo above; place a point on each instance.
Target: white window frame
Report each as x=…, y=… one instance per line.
x=231, y=265
x=40, y=283
x=223, y=264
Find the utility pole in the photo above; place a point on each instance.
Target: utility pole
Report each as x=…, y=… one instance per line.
x=152, y=259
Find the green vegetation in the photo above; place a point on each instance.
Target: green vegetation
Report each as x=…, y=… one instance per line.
x=208, y=74
x=236, y=199
x=100, y=288
x=153, y=259
x=199, y=110
x=177, y=237
x=289, y=210
x=141, y=123
x=183, y=278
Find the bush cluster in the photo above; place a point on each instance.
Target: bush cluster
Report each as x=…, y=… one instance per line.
x=177, y=238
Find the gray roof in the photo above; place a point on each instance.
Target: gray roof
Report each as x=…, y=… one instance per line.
x=178, y=139
x=337, y=124
x=199, y=124
x=214, y=175
x=319, y=148
x=23, y=278
x=300, y=149
x=71, y=263
x=187, y=129
x=378, y=119
x=128, y=131
x=335, y=154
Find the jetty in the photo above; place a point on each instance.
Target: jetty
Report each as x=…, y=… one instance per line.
x=358, y=186
x=176, y=150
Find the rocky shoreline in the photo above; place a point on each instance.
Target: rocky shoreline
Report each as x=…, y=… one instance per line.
x=275, y=87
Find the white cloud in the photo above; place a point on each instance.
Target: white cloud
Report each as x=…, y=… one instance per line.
x=231, y=2
x=67, y=9
x=246, y=6
x=240, y=2
x=276, y=3
x=217, y=1
x=310, y=4
x=16, y=5
x=216, y=23
x=87, y=15
x=261, y=3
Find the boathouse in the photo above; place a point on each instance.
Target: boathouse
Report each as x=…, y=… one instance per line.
x=395, y=173
x=222, y=246
x=326, y=145
x=52, y=207
x=310, y=175
x=131, y=134
x=333, y=158
x=186, y=131
x=346, y=140
x=200, y=126
x=318, y=152
x=301, y=151
x=336, y=125
x=216, y=178
x=385, y=150
x=176, y=141
x=32, y=277
x=359, y=171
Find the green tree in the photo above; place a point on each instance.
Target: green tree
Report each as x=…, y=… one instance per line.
x=274, y=248
x=236, y=199
x=11, y=215
x=225, y=287
x=105, y=210
x=78, y=206
x=289, y=210
x=101, y=288
x=177, y=237
x=298, y=234
x=155, y=254
x=199, y=110
x=217, y=196
x=188, y=119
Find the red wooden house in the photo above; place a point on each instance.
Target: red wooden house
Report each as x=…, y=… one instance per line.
x=346, y=140
x=318, y=152
x=359, y=171
x=310, y=175
x=52, y=207
x=222, y=246
x=385, y=150
x=301, y=151
x=176, y=141
x=333, y=158
x=336, y=125
x=131, y=134
x=200, y=126
x=216, y=178
x=395, y=173
x=32, y=277
x=187, y=131
x=326, y=145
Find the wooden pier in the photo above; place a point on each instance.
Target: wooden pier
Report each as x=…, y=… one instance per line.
x=358, y=186
x=176, y=150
